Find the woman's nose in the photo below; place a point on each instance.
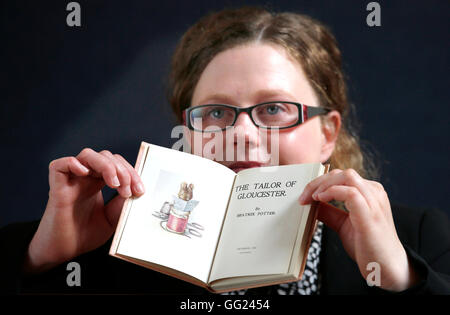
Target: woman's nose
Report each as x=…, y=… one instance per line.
x=244, y=126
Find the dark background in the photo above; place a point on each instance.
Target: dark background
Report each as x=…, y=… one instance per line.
x=102, y=85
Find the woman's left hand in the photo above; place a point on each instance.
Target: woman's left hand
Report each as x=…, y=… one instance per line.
x=367, y=231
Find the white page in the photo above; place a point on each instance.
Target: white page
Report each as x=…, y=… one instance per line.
x=262, y=243
x=145, y=235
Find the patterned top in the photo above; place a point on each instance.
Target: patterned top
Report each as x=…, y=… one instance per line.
x=310, y=282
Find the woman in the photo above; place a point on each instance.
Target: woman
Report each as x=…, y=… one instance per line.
x=242, y=58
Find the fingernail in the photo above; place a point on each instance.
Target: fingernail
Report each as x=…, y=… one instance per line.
x=115, y=181
x=84, y=168
x=314, y=196
x=127, y=191
x=140, y=188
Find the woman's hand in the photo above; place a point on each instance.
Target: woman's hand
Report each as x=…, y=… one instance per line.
x=76, y=220
x=367, y=231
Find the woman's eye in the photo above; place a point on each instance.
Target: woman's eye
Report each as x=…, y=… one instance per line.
x=218, y=113
x=272, y=110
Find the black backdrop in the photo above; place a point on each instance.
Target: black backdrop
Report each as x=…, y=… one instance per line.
x=102, y=85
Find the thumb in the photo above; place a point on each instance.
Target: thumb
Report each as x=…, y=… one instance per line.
x=331, y=216
x=113, y=210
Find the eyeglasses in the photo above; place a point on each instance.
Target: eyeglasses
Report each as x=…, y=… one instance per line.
x=268, y=115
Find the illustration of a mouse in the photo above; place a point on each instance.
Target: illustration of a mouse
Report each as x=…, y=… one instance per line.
x=185, y=192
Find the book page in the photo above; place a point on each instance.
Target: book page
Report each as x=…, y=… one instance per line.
x=262, y=221
x=174, y=224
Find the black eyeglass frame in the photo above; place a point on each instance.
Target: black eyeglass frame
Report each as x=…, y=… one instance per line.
x=305, y=112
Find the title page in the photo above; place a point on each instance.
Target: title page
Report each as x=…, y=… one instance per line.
x=262, y=222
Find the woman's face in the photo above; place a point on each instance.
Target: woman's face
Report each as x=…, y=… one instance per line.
x=255, y=73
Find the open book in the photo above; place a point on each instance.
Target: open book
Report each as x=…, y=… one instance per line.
x=201, y=222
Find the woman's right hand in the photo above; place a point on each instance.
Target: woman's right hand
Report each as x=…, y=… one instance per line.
x=76, y=220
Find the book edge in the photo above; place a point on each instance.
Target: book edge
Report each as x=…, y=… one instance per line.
x=140, y=161
x=164, y=270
